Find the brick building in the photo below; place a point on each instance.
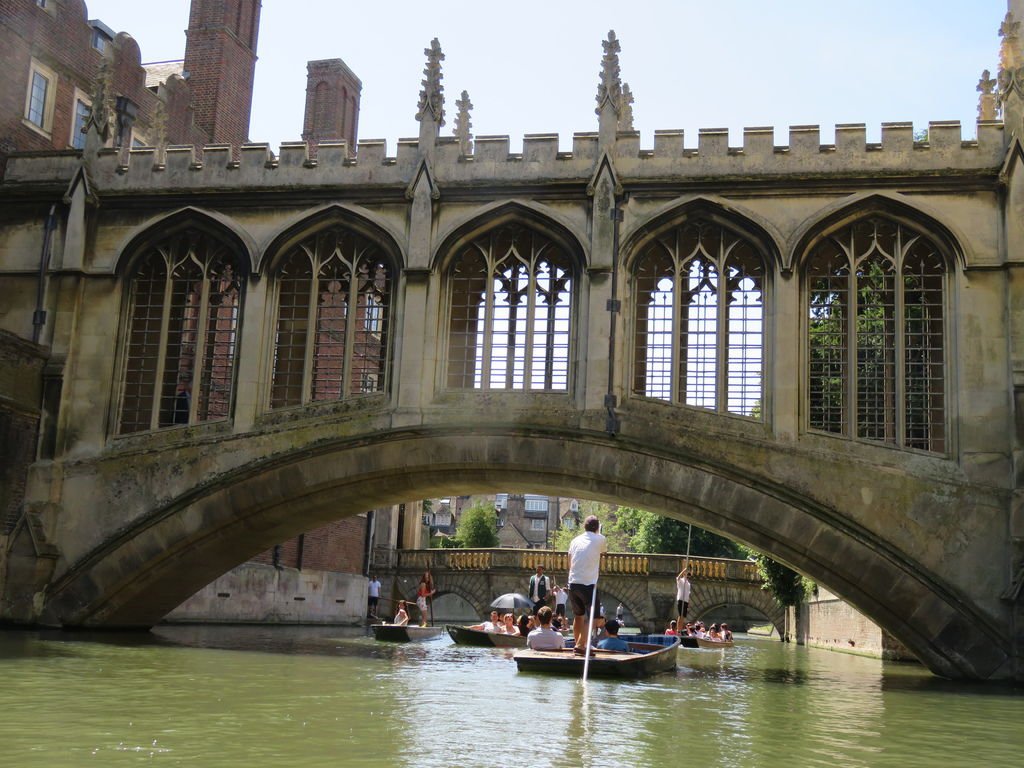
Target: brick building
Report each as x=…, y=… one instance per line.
x=52, y=55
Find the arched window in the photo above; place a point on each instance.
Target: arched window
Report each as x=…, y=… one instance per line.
x=875, y=336
x=510, y=313
x=333, y=307
x=699, y=322
x=185, y=298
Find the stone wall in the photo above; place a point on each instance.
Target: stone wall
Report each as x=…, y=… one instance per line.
x=827, y=622
x=254, y=593
x=21, y=367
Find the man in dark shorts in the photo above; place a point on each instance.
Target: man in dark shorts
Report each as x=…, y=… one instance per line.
x=584, y=564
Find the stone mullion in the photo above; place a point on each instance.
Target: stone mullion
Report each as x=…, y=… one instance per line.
x=488, y=345
x=161, y=360
x=311, y=331
x=199, y=356
x=351, y=321
x=899, y=345
x=531, y=317
x=721, y=333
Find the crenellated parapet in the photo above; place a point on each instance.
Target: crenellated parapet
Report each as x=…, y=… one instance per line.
x=490, y=159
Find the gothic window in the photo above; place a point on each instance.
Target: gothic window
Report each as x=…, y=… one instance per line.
x=331, y=331
x=699, y=322
x=510, y=313
x=183, y=315
x=875, y=336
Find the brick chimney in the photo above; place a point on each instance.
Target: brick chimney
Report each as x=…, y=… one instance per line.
x=332, y=103
x=220, y=59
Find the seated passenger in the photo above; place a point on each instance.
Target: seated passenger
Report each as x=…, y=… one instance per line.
x=509, y=625
x=488, y=626
x=544, y=638
x=726, y=632
x=402, y=616
x=524, y=624
x=714, y=633
x=671, y=628
x=612, y=641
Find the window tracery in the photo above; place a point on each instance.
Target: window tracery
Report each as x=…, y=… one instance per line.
x=184, y=305
x=876, y=336
x=699, y=320
x=331, y=328
x=510, y=313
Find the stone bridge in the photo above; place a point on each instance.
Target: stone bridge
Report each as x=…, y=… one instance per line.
x=816, y=349
x=644, y=584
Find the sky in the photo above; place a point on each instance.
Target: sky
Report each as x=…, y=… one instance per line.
x=532, y=67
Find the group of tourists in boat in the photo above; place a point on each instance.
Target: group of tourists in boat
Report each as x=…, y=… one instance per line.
x=698, y=629
x=551, y=641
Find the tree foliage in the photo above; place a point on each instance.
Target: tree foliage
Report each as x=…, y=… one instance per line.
x=635, y=530
x=477, y=527
x=786, y=585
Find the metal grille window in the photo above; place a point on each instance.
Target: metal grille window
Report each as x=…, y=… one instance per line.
x=182, y=334
x=699, y=322
x=510, y=313
x=876, y=340
x=334, y=293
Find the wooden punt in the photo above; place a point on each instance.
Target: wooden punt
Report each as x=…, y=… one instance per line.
x=649, y=654
x=469, y=636
x=703, y=642
x=393, y=633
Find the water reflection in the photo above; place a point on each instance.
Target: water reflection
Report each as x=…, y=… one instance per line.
x=251, y=696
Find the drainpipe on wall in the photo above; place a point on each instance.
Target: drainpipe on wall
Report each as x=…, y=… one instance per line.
x=371, y=521
x=39, y=316
x=611, y=425
x=302, y=546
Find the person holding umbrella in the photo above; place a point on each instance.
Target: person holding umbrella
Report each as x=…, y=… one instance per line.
x=584, y=564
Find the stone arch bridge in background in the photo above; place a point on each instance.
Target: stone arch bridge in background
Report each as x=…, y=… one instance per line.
x=644, y=584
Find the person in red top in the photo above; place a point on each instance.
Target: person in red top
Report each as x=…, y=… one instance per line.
x=671, y=628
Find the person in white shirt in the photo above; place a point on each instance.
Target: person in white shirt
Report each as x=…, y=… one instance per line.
x=488, y=626
x=683, y=588
x=561, y=598
x=584, y=564
x=372, y=596
x=544, y=638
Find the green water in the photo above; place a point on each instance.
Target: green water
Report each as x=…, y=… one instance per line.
x=247, y=696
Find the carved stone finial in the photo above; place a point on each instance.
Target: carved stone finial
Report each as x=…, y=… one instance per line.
x=463, y=124
x=158, y=131
x=1011, y=62
x=609, y=88
x=626, y=109
x=102, y=109
x=432, y=94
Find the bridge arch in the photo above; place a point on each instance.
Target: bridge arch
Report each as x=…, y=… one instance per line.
x=152, y=563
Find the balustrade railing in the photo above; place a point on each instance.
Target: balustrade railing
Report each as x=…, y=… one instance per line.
x=617, y=563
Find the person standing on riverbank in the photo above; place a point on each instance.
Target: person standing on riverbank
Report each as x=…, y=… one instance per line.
x=584, y=564
x=372, y=596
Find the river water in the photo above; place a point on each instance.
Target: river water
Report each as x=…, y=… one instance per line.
x=303, y=697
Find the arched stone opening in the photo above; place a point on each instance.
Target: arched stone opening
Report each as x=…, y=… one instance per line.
x=150, y=566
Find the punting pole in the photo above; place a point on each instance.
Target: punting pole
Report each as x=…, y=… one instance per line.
x=590, y=630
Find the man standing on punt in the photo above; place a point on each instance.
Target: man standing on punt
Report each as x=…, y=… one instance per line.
x=584, y=564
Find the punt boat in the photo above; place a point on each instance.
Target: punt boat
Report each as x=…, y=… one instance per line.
x=470, y=636
x=648, y=655
x=703, y=642
x=410, y=633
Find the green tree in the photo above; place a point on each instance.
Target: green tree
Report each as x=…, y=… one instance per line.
x=618, y=540
x=477, y=527
x=786, y=585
